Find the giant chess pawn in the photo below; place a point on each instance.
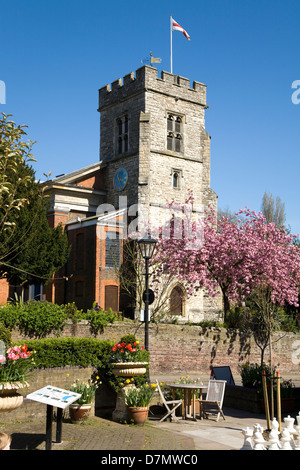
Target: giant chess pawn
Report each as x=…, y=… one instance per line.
x=275, y=425
x=274, y=434
x=248, y=433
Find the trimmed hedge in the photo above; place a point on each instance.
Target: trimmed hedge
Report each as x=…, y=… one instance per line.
x=83, y=352
x=60, y=352
x=39, y=318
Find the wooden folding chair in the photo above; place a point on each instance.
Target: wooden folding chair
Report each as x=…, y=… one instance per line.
x=170, y=410
x=214, y=398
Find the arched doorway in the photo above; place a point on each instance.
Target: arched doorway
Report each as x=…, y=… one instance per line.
x=177, y=300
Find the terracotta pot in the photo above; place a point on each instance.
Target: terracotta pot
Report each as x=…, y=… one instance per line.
x=129, y=369
x=79, y=413
x=10, y=399
x=138, y=414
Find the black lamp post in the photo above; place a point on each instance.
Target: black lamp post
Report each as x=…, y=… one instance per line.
x=147, y=247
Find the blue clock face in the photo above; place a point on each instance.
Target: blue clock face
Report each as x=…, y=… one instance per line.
x=120, y=179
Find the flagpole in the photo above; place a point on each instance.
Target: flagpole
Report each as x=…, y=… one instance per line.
x=171, y=59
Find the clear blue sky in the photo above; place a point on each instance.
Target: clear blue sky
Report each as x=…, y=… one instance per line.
x=55, y=55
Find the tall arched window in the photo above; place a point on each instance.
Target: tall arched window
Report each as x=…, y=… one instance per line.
x=174, y=133
x=175, y=179
x=176, y=301
x=122, y=144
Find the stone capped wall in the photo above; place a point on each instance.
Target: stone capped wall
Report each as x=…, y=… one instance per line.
x=191, y=348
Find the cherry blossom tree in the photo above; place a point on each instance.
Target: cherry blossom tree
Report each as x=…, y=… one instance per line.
x=236, y=258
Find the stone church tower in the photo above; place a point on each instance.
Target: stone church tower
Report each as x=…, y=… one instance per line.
x=154, y=150
x=152, y=134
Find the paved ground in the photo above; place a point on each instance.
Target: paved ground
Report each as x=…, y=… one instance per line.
x=105, y=435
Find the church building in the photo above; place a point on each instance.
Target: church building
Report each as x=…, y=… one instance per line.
x=153, y=149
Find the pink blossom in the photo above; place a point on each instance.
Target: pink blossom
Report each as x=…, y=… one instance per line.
x=13, y=356
x=234, y=258
x=24, y=355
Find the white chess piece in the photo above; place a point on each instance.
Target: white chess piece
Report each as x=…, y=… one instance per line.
x=248, y=433
x=275, y=424
x=289, y=423
x=275, y=430
x=273, y=442
x=285, y=440
x=259, y=442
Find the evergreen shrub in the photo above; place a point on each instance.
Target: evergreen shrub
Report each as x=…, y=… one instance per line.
x=61, y=352
x=40, y=318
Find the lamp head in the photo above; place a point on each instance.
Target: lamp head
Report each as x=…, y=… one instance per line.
x=147, y=246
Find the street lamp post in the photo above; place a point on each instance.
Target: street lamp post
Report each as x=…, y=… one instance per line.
x=147, y=247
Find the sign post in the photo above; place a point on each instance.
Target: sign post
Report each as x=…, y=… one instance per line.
x=54, y=396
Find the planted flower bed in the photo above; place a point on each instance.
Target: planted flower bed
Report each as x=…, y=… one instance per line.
x=249, y=396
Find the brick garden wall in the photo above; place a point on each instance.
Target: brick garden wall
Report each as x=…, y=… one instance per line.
x=188, y=348
x=174, y=349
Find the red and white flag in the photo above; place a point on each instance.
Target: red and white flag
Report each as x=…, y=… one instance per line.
x=177, y=27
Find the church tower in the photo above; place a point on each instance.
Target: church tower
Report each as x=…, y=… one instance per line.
x=154, y=148
x=153, y=140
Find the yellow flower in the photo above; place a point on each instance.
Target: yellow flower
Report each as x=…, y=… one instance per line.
x=127, y=381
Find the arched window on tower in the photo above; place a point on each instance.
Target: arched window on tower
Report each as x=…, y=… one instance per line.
x=174, y=133
x=175, y=179
x=122, y=145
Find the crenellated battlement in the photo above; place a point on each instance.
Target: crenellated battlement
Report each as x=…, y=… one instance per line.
x=146, y=79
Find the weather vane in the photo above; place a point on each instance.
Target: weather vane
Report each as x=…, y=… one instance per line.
x=151, y=60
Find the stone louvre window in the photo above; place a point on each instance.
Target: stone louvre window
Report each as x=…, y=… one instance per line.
x=175, y=133
x=122, y=134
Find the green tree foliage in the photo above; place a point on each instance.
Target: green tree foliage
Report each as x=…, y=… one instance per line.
x=30, y=251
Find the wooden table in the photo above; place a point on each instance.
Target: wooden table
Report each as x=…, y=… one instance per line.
x=189, y=394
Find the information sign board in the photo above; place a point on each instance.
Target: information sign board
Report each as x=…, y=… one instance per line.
x=54, y=396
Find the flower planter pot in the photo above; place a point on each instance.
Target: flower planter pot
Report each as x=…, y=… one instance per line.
x=10, y=399
x=79, y=413
x=126, y=369
x=138, y=414
x=129, y=369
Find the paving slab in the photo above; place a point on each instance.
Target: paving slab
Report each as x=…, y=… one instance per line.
x=106, y=435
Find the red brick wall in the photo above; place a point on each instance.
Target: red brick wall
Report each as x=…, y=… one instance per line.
x=4, y=291
x=186, y=349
